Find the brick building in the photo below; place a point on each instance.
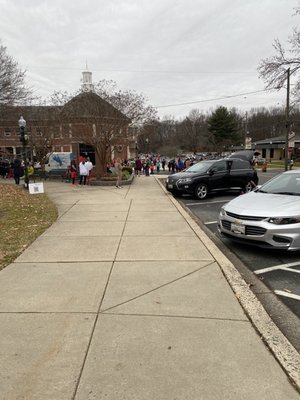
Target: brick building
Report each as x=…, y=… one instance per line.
x=81, y=126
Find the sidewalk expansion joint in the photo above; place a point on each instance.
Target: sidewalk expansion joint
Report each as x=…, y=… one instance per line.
x=66, y=211
x=160, y=286
x=51, y=312
x=98, y=311
x=176, y=316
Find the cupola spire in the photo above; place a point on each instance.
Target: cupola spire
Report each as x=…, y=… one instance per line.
x=87, y=82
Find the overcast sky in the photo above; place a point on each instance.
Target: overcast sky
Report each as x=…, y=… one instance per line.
x=172, y=51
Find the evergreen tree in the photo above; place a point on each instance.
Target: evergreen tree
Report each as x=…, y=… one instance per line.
x=224, y=128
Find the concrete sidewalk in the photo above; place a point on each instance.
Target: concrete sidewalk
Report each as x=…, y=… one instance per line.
x=124, y=297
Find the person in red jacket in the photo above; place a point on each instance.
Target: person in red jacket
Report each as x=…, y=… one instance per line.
x=138, y=166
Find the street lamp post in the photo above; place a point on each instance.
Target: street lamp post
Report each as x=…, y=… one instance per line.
x=23, y=140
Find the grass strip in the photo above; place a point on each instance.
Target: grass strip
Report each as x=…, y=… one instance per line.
x=23, y=217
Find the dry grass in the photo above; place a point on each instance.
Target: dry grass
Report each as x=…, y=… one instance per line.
x=23, y=217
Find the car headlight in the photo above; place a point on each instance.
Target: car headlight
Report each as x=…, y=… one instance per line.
x=222, y=212
x=185, y=180
x=284, y=220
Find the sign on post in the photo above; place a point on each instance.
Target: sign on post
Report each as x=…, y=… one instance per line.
x=291, y=137
x=248, y=142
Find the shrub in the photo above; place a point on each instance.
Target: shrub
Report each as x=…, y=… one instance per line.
x=127, y=169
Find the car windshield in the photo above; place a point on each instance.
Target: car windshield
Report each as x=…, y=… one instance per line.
x=201, y=166
x=286, y=183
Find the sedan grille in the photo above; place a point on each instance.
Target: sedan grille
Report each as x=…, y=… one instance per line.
x=249, y=230
x=255, y=231
x=244, y=217
x=226, y=225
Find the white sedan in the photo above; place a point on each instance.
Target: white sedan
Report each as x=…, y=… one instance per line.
x=268, y=217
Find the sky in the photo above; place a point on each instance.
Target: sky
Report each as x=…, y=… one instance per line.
x=171, y=51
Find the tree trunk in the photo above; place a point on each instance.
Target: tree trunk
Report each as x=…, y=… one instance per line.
x=100, y=167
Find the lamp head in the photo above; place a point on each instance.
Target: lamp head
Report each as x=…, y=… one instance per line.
x=22, y=122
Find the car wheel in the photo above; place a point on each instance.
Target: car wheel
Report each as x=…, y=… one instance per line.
x=248, y=187
x=201, y=191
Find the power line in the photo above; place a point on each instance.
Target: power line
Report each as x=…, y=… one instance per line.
x=217, y=98
x=143, y=70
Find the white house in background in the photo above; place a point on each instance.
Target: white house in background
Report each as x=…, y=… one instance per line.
x=274, y=148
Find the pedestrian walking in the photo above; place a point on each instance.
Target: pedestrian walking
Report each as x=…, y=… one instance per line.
x=147, y=167
x=17, y=170
x=83, y=172
x=89, y=166
x=118, y=167
x=138, y=166
x=73, y=170
x=152, y=167
x=180, y=165
x=157, y=166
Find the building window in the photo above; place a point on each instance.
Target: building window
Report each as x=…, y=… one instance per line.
x=38, y=131
x=7, y=132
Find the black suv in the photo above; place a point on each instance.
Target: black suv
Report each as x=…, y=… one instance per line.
x=212, y=176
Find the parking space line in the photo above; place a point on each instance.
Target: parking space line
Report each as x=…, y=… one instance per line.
x=207, y=202
x=281, y=266
x=286, y=294
x=297, y=271
x=213, y=222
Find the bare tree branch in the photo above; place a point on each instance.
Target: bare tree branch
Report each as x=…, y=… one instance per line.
x=13, y=89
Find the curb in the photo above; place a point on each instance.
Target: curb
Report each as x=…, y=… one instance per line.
x=282, y=349
x=112, y=182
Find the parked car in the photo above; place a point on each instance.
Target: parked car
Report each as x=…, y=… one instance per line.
x=248, y=155
x=268, y=217
x=212, y=176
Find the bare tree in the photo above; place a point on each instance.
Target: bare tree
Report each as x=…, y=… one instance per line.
x=194, y=129
x=91, y=120
x=129, y=102
x=273, y=69
x=13, y=89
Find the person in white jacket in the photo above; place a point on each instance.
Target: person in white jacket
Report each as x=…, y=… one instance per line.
x=83, y=172
x=89, y=166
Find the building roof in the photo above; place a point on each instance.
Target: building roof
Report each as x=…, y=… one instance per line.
x=85, y=105
x=277, y=139
x=90, y=105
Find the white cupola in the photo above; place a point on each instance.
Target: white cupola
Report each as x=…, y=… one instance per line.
x=87, y=82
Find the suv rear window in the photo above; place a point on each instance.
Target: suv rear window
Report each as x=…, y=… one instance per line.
x=240, y=164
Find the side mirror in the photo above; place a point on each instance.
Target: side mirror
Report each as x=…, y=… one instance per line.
x=211, y=172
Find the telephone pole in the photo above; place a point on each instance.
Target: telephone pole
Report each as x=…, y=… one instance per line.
x=287, y=120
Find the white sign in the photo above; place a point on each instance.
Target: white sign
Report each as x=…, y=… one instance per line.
x=291, y=135
x=248, y=143
x=36, y=188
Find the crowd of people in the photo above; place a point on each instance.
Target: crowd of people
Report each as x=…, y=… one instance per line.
x=150, y=165
x=81, y=171
x=85, y=171
x=16, y=170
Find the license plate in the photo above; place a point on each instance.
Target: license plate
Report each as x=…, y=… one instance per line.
x=170, y=186
x=238, y=228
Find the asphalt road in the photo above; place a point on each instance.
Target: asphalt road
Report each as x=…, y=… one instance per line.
x=281, y=297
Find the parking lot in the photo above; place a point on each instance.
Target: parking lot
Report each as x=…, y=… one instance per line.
x=279, y=270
